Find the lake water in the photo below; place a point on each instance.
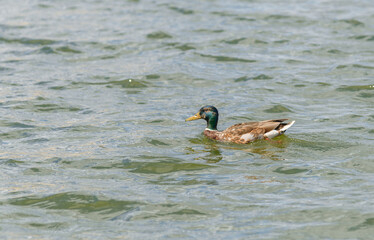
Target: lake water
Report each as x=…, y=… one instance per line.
x=93, y=97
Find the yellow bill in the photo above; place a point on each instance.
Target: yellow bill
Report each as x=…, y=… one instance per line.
x=194, y=117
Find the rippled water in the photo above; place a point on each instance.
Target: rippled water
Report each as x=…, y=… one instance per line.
x=93, y=97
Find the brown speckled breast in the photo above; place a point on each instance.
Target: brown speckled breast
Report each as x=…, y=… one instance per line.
x=216, y=135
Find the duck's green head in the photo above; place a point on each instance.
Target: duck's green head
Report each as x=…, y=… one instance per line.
x=210, y=114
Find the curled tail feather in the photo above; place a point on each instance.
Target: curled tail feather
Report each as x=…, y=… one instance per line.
x=274, y=133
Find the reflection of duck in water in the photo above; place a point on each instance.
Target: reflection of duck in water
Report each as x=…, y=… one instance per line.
x=242, y=132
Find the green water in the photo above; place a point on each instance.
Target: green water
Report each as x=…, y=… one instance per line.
x=93, y=97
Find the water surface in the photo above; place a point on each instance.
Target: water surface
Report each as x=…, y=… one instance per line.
x=93, y=97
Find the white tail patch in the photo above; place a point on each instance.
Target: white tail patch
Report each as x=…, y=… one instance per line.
x=274, y=133
x=283, y=129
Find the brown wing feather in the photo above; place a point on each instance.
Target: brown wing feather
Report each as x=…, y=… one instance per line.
x=263, y=127
x=276, y=120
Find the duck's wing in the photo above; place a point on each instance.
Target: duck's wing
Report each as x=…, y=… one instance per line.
x=267, y=125
x=276, y=120
x=250, y=131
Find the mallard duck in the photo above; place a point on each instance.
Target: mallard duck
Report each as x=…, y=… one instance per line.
x=242, y=132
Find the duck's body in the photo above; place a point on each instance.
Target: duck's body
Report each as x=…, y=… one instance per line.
x=242, y=132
